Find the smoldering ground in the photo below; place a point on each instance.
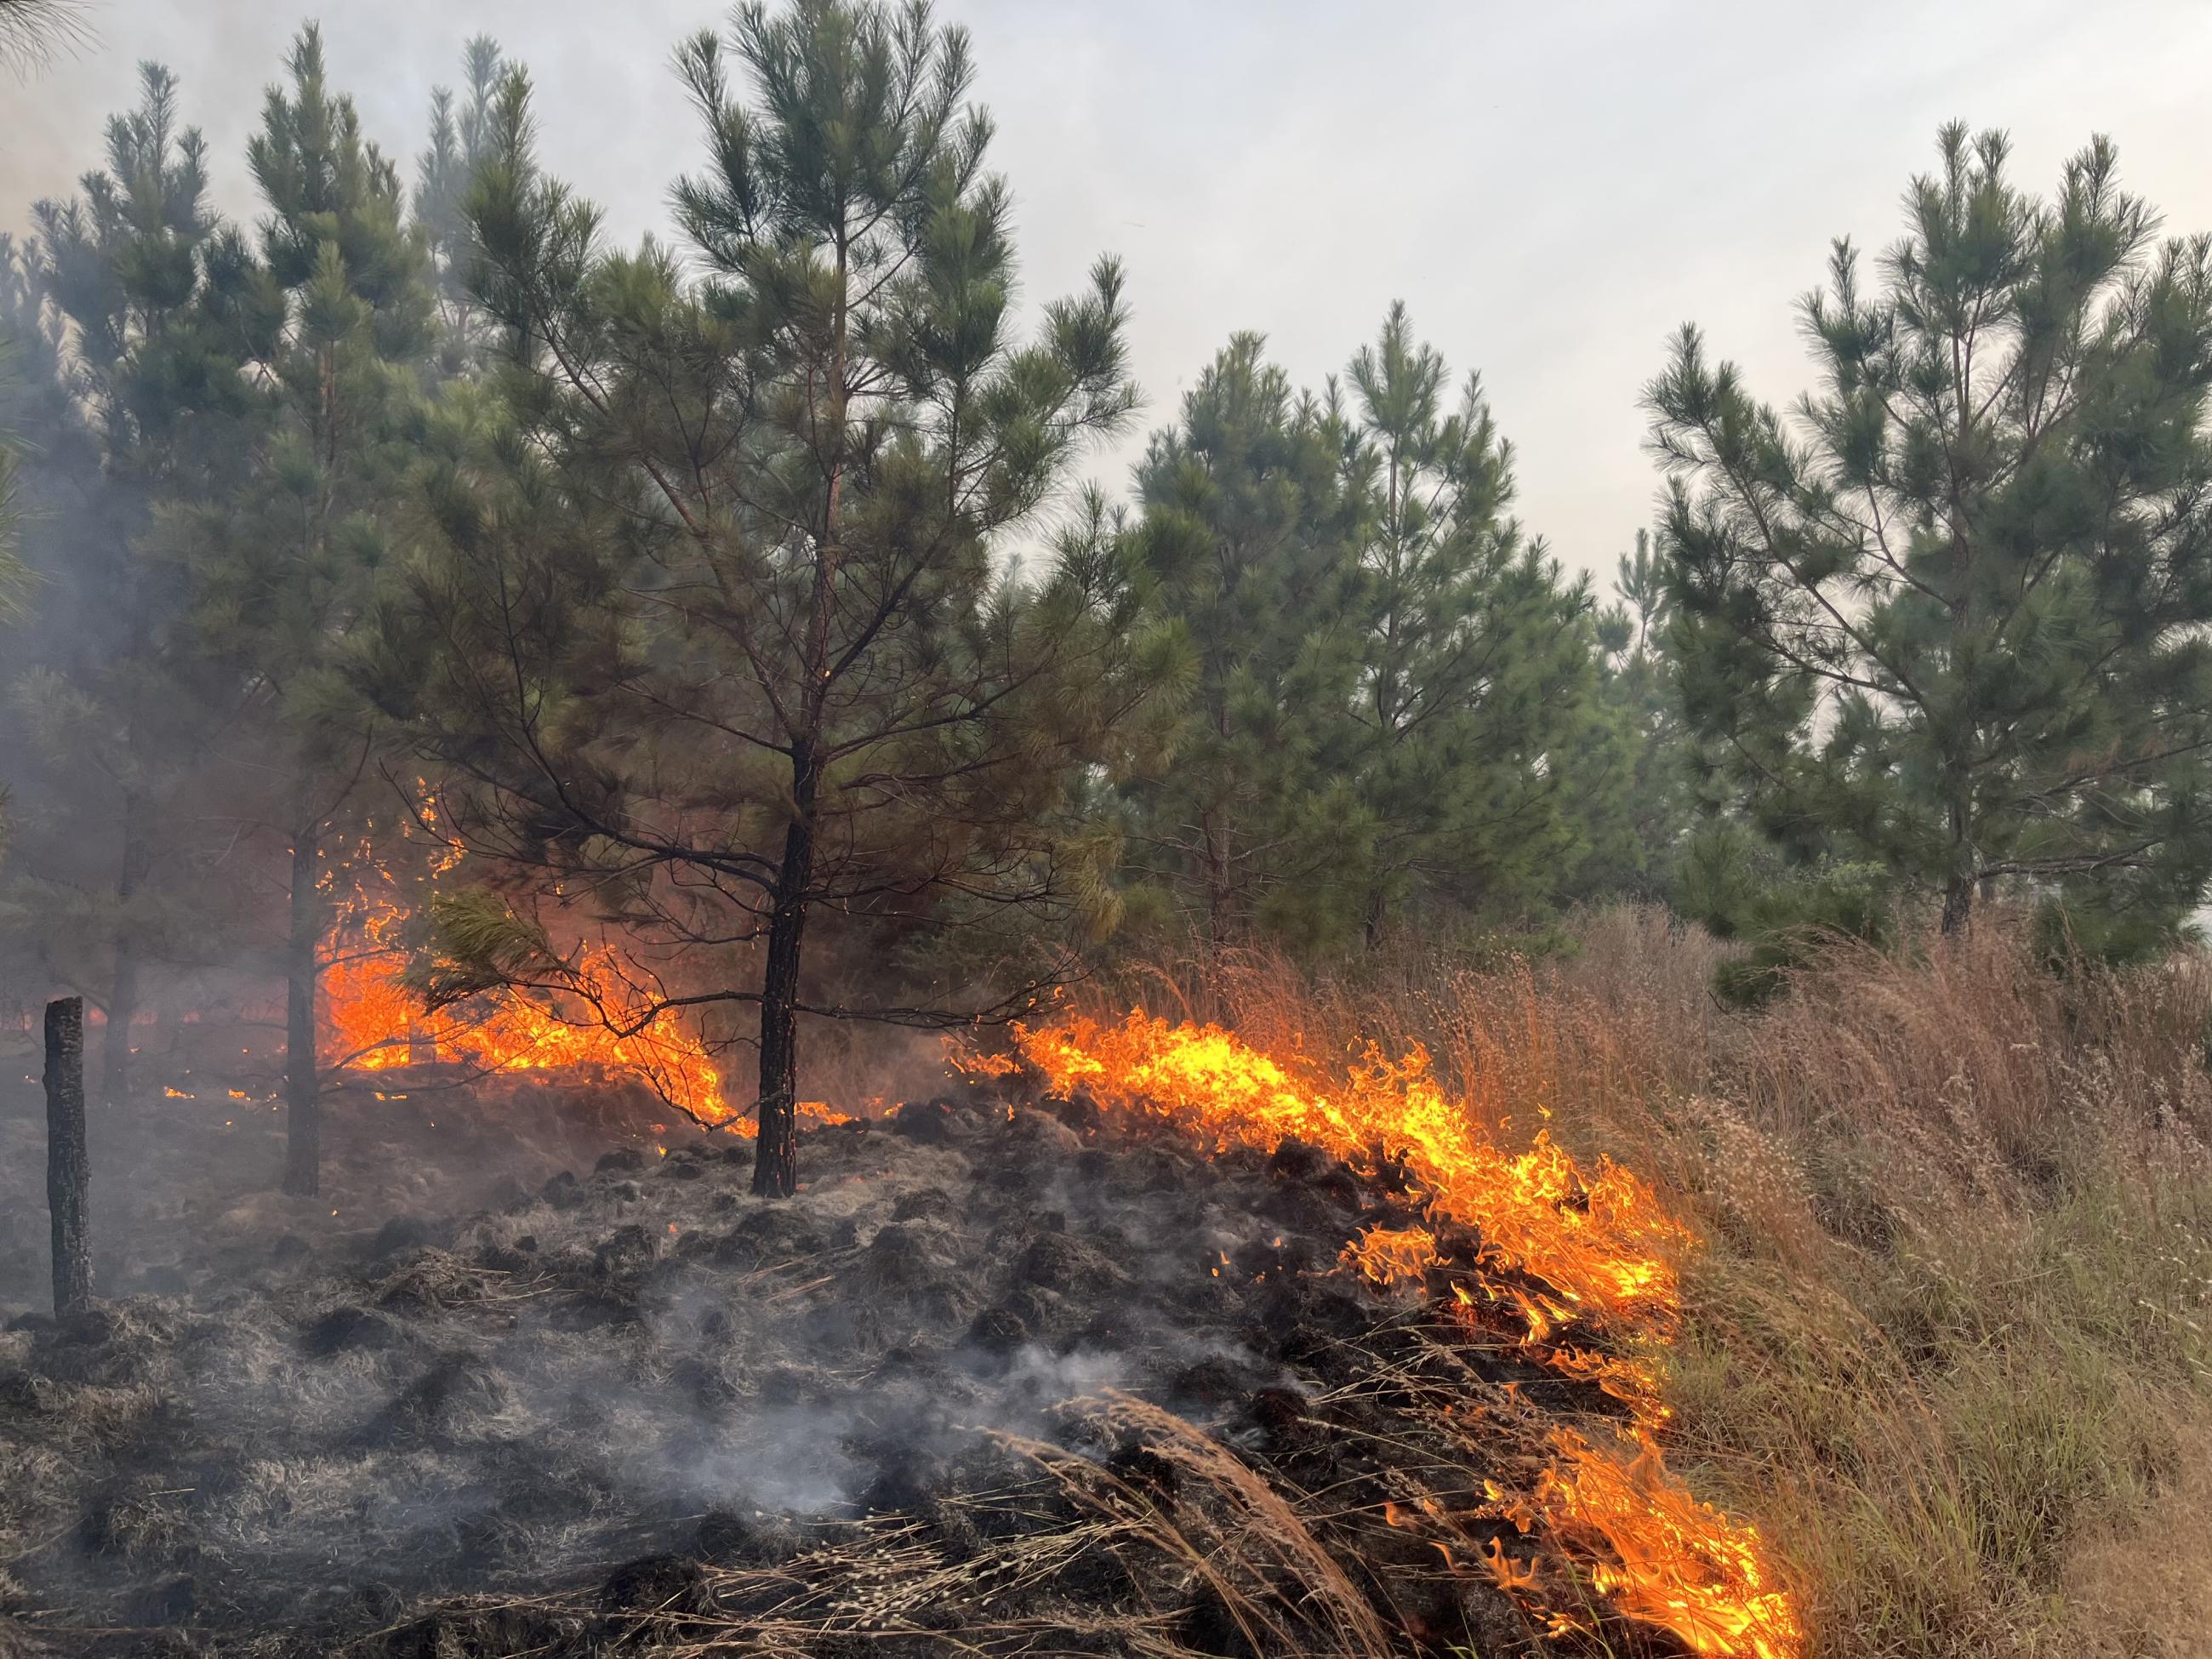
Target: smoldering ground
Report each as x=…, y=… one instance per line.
x=637, y=1407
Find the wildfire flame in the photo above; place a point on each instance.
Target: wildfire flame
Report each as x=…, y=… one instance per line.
x=373, y=1021
x=1388, y=1257
x=1562, y=1250
x=1662, y=1556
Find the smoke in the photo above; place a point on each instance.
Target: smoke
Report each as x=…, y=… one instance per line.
x=516, y=1396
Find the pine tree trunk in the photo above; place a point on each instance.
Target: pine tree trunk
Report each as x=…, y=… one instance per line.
x=776, y=1161
x=303, y=1126
x=1965, y=877
x=776, y=1153
x=68, y=1174
x=1217, y=885
x=1958, y=905
x=115, y=1067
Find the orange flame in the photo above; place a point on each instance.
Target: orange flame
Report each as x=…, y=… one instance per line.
x=1600, y=1239
x=1599, y=1247
x=373, y=1021
x=1388, y=1257
x=1652, y=1543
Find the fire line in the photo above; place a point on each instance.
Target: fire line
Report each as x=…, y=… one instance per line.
x=1598, y=1238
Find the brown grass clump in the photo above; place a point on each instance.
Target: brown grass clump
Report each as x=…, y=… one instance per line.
x=1176, y=1493
x=1213, y=1558
x=1949, y=1339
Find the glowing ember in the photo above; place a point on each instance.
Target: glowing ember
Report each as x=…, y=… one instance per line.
x=1564, y=1251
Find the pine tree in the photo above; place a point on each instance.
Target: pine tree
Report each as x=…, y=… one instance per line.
x=462, y=136
x=161, y=315
x=713, y=635
x=1249, y=537
x=282, y=571
x=33, y=31
x=25, y=334
x=1477, y=702
x=1951, y=615
x=29, y=364
x=1640, y=830
x=1392, y=692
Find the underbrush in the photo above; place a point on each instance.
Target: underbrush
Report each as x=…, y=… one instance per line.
x=1949, y=1337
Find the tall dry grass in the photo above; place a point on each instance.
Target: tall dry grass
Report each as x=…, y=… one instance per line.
x=1949, y=1335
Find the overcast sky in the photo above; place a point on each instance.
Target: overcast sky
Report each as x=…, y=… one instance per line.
x=1552, y=188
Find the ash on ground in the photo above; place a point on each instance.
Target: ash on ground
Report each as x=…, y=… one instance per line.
x=1000, y=1378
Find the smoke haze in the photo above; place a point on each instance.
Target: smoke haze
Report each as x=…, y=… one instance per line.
x=1588, y=177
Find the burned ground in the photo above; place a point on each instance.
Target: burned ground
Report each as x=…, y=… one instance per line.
x=1001, y=1377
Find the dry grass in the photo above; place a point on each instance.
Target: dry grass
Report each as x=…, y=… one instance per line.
x=1950, y=1337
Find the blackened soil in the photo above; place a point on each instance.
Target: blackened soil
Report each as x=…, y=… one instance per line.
x=998, y=1379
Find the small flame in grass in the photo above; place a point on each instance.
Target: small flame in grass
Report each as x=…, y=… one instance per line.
x=1388, y=1257
x=1564, y=1248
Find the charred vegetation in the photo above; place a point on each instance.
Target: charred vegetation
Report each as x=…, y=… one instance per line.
x=996, y=1386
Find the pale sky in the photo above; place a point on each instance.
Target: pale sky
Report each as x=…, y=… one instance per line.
x=1552, y=188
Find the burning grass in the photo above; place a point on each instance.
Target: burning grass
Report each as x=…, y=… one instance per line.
x=1584, y=1262
x=374, y=1021
x=991, y=1382
x=1948, y=1341
x=1540, y=1309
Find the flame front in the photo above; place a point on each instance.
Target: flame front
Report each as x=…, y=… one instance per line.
x=1566, y=1252
x=374, y=1022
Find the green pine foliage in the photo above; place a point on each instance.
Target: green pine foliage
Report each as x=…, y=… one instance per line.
x=1393, y=699
x=1481, y=740
x=1949, y=616
x=1247, y=540
x=462, y=136
x=33, y=31
x=132, y=314
x=282, y=572
x=14, y=574
x=1639, y=820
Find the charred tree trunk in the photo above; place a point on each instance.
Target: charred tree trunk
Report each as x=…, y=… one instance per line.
x=69, y=1172
x=776, y=1154
x=303, y=1126
x=125, y=987
x=115, y=1068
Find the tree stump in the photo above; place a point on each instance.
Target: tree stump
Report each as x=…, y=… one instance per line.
x=68, y=1171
